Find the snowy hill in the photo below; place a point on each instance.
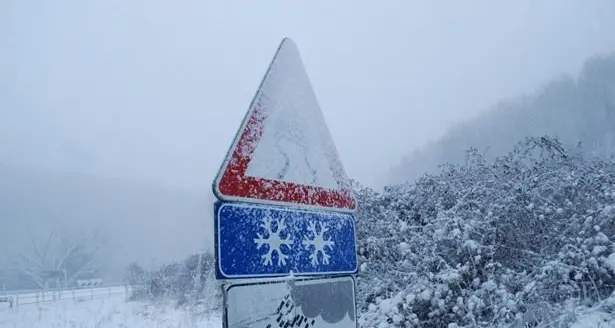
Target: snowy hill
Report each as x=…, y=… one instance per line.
x=577, y=110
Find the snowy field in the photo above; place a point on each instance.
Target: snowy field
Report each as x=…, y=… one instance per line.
x=104, y=312
x=29, y=297
x=114, y=311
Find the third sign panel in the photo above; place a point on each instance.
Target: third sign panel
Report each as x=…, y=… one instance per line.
x=313, y=303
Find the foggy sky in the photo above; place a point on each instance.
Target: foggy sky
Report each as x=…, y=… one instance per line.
x=155, y=90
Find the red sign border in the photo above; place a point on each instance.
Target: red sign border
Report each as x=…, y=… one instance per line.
x=232, y=183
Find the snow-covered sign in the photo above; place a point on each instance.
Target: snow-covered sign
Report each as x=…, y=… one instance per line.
x=310, y=303
x=283, y=152
x=254, y=240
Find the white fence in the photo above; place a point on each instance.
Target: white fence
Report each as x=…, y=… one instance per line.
x=16, y=299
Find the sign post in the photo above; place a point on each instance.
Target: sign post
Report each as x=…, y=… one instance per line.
x=285, y=206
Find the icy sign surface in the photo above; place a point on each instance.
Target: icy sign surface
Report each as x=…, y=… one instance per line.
x=261, y=240
x=284, y=152
x=310, y=303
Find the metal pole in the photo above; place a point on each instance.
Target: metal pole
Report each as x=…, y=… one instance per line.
x=197, y=285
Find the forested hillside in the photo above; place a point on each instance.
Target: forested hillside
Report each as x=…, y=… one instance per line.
x=579, y=111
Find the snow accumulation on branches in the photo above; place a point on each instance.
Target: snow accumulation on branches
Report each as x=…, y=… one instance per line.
x=524, y=240
x=58, y=259
x=512, y=242
x=186, y=283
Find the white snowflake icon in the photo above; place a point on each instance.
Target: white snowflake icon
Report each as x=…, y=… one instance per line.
x=274, y=241
x=318, y=242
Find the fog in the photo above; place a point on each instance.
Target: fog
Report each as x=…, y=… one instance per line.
x=150, y=93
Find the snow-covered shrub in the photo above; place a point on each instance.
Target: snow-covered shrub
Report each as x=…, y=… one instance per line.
x=183, y=282
x=484, y=244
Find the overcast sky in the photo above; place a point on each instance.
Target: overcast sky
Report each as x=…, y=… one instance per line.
x=155, y=90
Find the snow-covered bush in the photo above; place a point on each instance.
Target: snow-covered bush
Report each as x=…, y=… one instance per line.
x=512, y=242
x=485, y=244
x=181, y=282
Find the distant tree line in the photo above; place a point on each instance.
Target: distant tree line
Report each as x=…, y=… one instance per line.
x=579, y=111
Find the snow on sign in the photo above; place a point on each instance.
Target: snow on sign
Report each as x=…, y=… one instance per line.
x=309, y=303
x=266, y=241
x=283, y=152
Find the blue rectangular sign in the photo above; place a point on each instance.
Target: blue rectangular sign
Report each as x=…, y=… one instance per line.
x=266, y=241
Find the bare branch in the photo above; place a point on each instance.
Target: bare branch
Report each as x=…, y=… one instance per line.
x=58, y=254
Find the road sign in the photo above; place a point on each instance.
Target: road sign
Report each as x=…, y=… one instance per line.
x=283, y=152
x=254, y=240
x=310, y=303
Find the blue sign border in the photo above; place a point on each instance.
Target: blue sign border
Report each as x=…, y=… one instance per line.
x=221, y=275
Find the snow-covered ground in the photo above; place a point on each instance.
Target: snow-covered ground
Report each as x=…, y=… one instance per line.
x=598, y=316
x=29, y=297
x=115, y=312
x=594, y=319
x=110, y=312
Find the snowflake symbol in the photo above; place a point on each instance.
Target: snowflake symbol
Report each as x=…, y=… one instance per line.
x=319, y=243
x=274, y=241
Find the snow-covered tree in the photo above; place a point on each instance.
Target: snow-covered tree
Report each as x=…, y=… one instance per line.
x=58, y=259
x=187, y=282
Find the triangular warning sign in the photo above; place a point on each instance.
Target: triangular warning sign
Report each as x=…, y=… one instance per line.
x=283, y=152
